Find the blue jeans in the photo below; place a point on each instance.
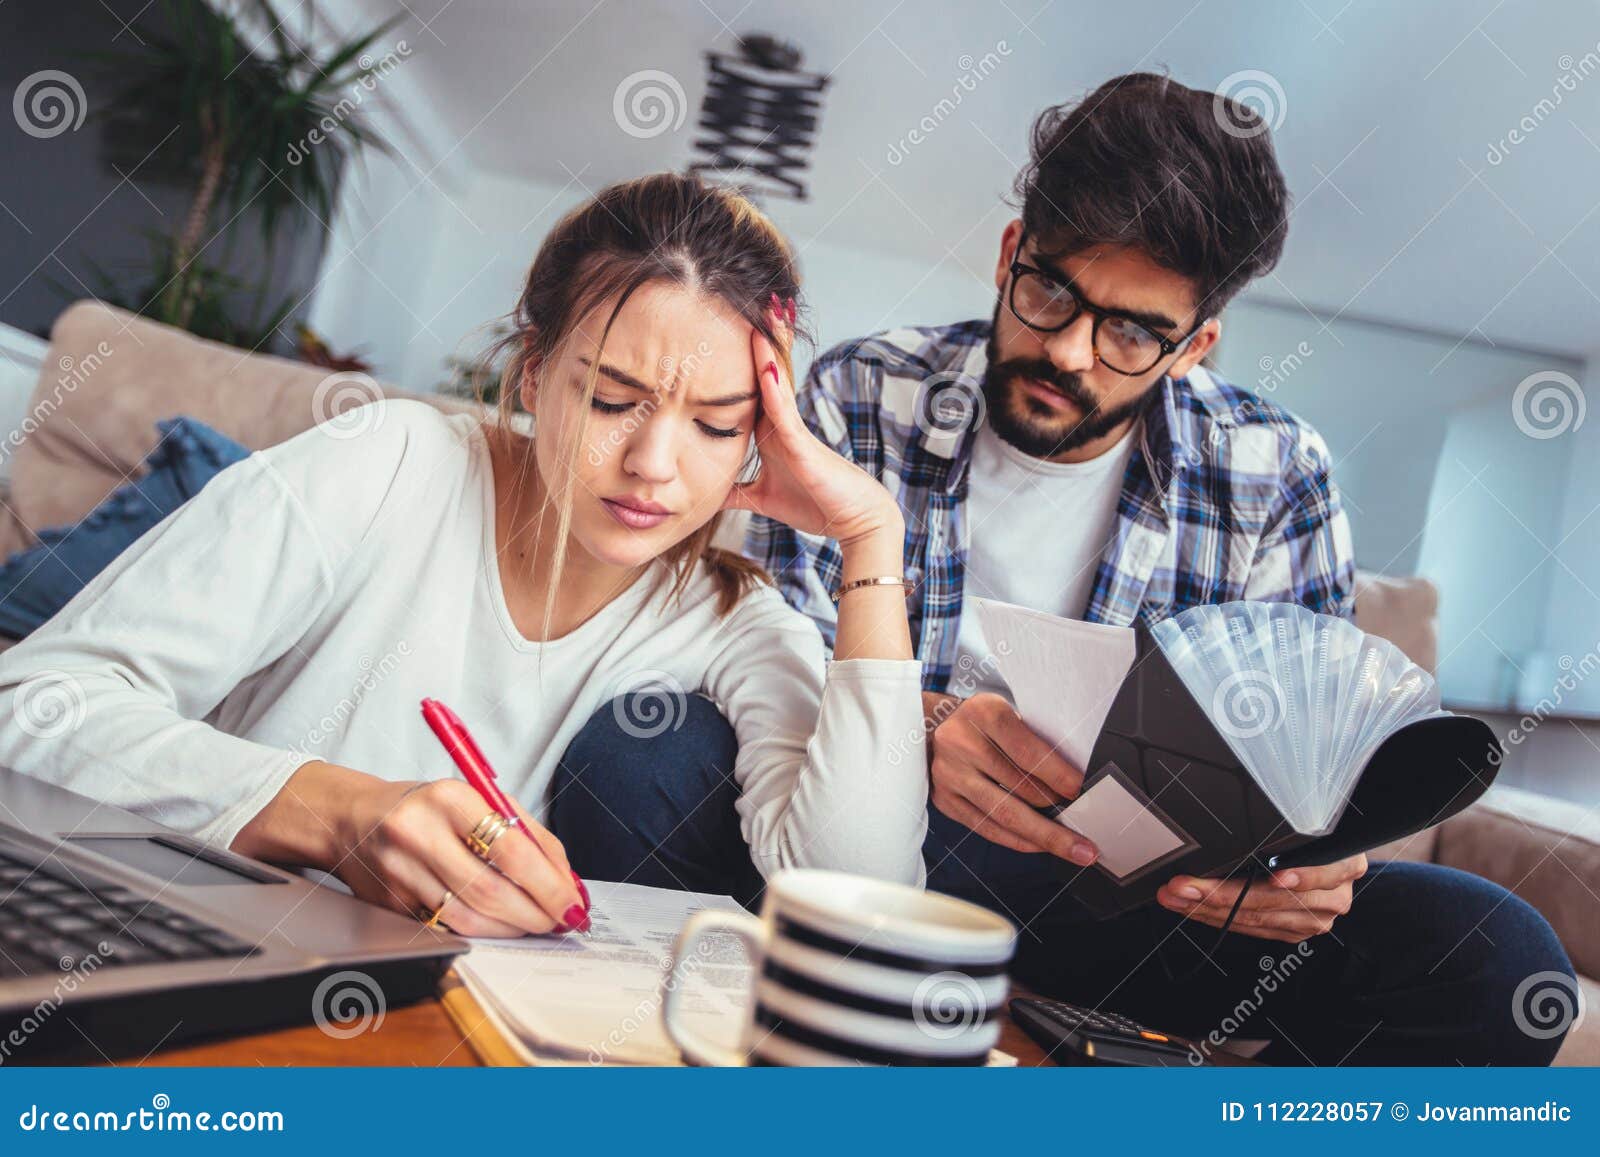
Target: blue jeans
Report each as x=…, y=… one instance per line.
x=1425, y=968
x=655, y=809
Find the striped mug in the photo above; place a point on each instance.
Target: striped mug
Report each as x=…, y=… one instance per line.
x=854, y=971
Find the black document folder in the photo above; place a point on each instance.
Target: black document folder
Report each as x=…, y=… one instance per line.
x=1165, y=749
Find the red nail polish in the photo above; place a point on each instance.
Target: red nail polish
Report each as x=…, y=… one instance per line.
x=777, y=307
x=791, y=311
x=772, y=368
x=576, y=919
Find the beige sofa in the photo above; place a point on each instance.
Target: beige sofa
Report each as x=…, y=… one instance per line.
x=109, y=377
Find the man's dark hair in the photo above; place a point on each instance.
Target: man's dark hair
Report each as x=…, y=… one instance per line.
x=1189, y=178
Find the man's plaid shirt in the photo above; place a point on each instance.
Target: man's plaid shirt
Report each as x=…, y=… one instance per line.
x=1228, y=496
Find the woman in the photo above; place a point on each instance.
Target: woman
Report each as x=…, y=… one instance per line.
x=251, y=670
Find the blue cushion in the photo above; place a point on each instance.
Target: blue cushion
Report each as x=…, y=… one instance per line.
x=37, y=582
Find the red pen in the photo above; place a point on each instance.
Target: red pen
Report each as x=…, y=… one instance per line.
x=480, y=776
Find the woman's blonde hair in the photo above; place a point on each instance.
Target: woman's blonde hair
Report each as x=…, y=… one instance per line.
x=671, y=228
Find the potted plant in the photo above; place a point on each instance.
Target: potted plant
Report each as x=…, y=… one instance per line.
x=266, y=125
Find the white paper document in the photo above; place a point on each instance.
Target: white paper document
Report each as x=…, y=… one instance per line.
x=1128, y=834
x=1063, y=673
x=596, y=998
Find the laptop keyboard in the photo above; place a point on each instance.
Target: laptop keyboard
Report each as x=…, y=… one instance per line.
x=51, y=922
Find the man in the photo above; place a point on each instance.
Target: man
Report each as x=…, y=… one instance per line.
x=1072, y=455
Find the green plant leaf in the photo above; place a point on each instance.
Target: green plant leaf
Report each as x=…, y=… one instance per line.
x=254, y=102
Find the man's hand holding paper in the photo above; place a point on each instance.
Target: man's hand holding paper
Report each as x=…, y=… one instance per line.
x=990, y=771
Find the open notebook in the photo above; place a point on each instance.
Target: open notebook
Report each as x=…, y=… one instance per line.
x=595, y=999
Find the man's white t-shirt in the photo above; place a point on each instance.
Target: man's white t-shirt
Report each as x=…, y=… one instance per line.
x=1035, y=533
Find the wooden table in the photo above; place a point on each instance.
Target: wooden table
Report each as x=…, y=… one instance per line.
x=418, y=1035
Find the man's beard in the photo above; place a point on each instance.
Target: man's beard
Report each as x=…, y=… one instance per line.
x=1033, y=426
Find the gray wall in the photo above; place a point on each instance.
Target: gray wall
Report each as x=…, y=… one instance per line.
x=65, y=206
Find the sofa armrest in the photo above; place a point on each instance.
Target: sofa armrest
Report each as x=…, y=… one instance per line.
x=94, y=427
x=1404, y=610
x=1419, y=846
x=1545, y=850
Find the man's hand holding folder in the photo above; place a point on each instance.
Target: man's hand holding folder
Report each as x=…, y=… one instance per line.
x=991, y=772
x=1292, y=905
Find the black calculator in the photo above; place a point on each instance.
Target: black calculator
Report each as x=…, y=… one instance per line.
x=1071, y=1035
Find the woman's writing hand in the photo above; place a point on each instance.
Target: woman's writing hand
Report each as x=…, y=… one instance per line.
x=403, y=845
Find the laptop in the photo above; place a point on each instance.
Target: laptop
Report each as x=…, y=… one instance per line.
x=119, y=936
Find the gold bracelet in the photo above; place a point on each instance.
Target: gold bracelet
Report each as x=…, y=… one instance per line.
x=885, y=581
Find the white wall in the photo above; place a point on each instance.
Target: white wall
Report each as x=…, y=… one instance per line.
x=1490, y=521
x=1439, y=478
x=1572, y=624
x=852, y=292
x=376, y=274
x=437, y=270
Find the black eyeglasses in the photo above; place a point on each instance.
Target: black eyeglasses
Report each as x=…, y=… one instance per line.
x=1041, y=301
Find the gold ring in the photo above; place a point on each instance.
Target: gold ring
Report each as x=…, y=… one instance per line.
x=490, y=828
x=489, y=823
x=433, y=917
